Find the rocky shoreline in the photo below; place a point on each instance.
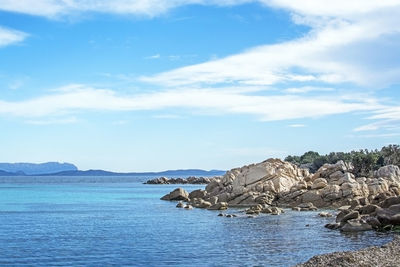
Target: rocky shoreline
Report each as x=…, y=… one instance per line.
x=365, y=203
x=386, y=255
x=188, y=180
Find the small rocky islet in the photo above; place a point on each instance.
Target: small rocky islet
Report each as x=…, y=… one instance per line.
x=188, y=180
x=359, y=203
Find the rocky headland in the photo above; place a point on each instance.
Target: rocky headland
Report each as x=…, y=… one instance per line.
x=364, y=203
x=188, y=180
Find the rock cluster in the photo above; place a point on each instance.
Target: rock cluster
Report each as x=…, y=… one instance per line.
x=257, y=209
x=333, y=185
x=275, y=183
x=261, y=183
x=357, y=217
x=189, y=180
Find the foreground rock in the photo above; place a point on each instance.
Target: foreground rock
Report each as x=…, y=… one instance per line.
x=384, y=215
x=177, y=194
x=387, y=255
x=189, y=180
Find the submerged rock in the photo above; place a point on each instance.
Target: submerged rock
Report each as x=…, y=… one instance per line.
x=305, y=207
x=350, y=216
x=219, y=206
x=355, y=225
x=332, y=226
x=325, y=214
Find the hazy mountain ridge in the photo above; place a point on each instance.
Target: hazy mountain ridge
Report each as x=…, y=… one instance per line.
x=4, y=173
x=68, y=169
x=36, y=168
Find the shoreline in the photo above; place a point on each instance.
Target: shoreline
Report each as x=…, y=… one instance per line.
x=385, y=255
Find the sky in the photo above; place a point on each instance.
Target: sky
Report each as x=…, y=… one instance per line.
x=151, y=85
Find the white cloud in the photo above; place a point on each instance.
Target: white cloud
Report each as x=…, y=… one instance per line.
x=8, y=36
x=336, y=53
x=386, y=118
x=338, y=8
x=350, y=42
x=167, y=116
x=156, y=56
x=343, y=36
x=56, y=8
x=53, y=8
x=307, y=89
x=78, y=98
x=297, y=125
x=385, y=135
x=67, y=120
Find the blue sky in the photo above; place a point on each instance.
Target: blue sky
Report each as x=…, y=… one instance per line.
x=149, y=85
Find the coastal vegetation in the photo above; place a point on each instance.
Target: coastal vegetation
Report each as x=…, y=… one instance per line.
x=364, y=161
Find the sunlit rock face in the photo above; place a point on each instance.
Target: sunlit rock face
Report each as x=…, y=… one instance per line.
x=276, y=182
x=256, y=183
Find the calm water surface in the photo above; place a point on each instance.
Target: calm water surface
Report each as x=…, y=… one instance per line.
x=125, y=224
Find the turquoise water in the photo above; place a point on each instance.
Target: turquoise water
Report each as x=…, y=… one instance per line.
x=125, y=224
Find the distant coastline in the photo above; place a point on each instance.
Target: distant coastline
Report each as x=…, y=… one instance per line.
x=188, y=172
x=68, y=169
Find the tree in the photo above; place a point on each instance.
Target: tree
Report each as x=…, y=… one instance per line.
x=391, y=154
x=364, y=161
x=309, y=157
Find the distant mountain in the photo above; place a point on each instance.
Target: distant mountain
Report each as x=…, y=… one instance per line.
x=4, y=173
x=68, y=169
x=36, y=169
x=170, y=173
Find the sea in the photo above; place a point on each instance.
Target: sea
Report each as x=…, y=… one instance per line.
x=119, y=221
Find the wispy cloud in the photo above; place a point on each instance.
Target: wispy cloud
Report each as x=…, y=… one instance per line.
x=386, y=118
x=52, y=121
x=15, y=84
x=156, y=56
x=9, y=36
x=297, y=125
x=307, y=89
x=150, y=8
x=384, y=135
x=328, y=54
x=78, y=98
x=337, y=50
x=167, y=116
x=120, y=122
